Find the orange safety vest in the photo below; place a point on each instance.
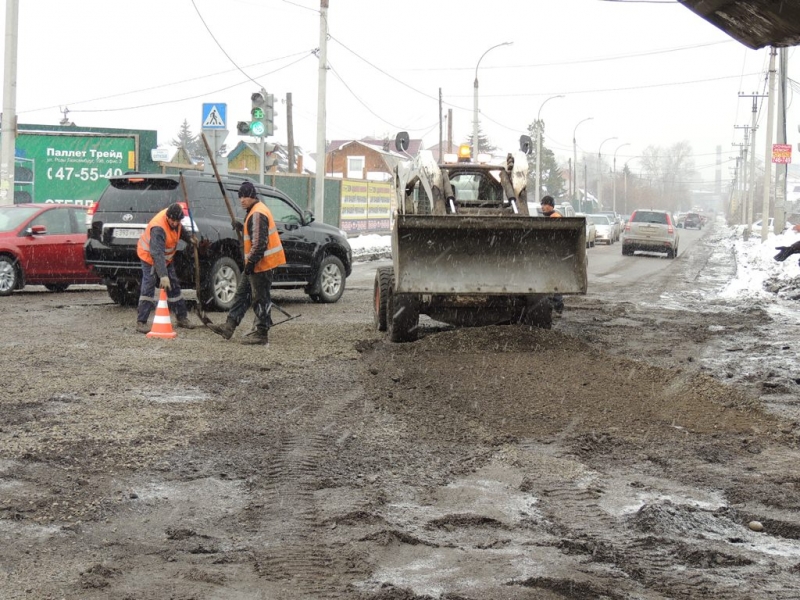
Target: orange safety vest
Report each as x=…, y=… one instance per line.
x=171, y=244
x=274, y=256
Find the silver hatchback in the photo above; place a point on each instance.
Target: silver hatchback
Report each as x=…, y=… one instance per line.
x=650, y=231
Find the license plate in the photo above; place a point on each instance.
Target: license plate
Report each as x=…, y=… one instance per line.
x=123, y=232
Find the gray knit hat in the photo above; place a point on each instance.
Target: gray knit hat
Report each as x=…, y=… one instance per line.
x=247, y=190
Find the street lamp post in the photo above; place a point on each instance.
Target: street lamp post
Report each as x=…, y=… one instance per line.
x=600, y=172
x=614, y=205
x=539, y=148
x=475, y=101
x=575, y=166
x=625, y=178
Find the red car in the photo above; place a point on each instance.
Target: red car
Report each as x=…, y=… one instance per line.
x=42, y=244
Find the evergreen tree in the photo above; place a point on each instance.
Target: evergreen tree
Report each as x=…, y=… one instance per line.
x=186, y=139
x=193, y=143
x=484, y=143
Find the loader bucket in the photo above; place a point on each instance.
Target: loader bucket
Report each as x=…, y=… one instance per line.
x=488, y=255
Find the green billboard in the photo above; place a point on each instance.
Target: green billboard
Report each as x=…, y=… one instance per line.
x=64, y=168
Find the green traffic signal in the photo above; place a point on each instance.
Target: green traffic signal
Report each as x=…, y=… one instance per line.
x=257, y=128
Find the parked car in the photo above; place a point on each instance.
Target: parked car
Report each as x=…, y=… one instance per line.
x=318, y=256
x=756, y=227
x=591, y=231
x=650, y=231
x=604, y=226
x=692, y=221
x=616, y=220
x=42, y=244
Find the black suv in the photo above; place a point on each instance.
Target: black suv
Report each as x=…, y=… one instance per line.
x=318, y=256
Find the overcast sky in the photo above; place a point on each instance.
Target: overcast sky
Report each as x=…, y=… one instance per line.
x=646, y=72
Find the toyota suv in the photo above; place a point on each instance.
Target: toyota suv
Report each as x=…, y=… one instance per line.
x=650, y=231
x=318, y=256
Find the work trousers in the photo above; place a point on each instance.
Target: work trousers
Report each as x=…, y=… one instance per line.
x=254, y=290
x=147, y=294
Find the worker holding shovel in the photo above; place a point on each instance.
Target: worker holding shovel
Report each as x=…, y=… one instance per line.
x=262, y=253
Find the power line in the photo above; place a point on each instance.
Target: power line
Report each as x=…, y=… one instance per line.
x=228, y=56
x=304, y=54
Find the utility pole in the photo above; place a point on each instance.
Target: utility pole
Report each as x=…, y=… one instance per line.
x=749, y=184
x=8, y=145
x=289, y=133
x=781, y=169
x=768, y=146
x=319, y=196
x=449, y=129
x=743, y=148
x=441, y=141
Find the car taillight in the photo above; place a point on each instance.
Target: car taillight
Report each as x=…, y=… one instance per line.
x=90, y=213
x=628, y=226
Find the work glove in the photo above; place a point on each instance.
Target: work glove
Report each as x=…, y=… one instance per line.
x=165, y=284
x=238, y=226
x=249, y=268
x=786, y=251
x=194, y=241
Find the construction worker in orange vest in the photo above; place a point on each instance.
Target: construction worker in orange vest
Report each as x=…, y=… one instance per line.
x=262, y=253
x=156, y=249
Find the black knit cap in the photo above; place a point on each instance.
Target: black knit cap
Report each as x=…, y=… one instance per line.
x=247, y=190
x=175, y=212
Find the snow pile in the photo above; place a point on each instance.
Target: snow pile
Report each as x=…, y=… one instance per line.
x=758, y=274
x=371, y=246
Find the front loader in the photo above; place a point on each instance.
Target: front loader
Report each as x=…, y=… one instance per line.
x=466, y=252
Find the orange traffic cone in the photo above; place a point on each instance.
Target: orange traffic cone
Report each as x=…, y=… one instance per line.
x=162, y=326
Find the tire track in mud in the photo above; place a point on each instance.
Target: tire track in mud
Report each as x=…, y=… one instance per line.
x=707, y=568
x=296, y=556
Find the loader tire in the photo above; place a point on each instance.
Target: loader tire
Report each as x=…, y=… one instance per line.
x=384, y=280
x=538, y=313
x=402, y=317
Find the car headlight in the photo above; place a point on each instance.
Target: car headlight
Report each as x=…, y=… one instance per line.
x=343, y=232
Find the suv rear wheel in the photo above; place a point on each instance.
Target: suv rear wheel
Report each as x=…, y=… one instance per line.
x=220, y=285
x=124, y=293
x=329, y=285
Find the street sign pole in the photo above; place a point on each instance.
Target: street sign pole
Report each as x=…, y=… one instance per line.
x=215, y=120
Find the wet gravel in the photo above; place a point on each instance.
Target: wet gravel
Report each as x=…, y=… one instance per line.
x=622, y=454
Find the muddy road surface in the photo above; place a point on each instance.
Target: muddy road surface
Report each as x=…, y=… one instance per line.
x=647, y=447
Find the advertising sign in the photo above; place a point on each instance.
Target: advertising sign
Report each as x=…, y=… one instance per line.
x=366, y=206
x=69, y=169
x=782, y=154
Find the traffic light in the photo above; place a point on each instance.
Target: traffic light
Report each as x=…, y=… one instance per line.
x=270, y=115
x=258, y=121
x=262, y=116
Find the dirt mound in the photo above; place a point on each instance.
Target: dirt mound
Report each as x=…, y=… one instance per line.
x=511, y=381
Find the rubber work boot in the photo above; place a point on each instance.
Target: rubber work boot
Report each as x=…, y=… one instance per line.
x=184, y=323
x=225, y=330
x=142, y=327
x=258, y=338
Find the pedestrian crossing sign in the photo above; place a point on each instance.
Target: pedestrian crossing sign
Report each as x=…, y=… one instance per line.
x=215, y=115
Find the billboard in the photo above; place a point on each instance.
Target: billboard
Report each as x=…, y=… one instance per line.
x=65, y=168
x=366, y=206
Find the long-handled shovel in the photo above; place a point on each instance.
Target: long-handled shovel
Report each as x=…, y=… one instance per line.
x=228, y=204
x=201, y=313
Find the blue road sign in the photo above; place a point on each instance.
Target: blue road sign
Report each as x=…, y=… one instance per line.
x=215, y=115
